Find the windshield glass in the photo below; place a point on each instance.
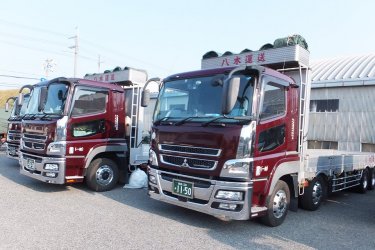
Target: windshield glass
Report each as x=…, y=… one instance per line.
x=26, y=99
x=32, y=107
x=200, y=99
x=56, y=97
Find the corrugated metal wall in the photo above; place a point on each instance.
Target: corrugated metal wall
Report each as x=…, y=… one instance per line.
x=352, y=125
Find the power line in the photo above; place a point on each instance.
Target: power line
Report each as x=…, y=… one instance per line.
x=33, y=28
x=19, y=72
x=20, y=77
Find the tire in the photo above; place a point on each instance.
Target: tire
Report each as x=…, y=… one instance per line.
x=363, y=183
x=278, y=204
x=371, y=179
x=102, y=175
x=314, y=194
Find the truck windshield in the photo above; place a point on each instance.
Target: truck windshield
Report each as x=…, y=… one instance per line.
x=56, y=97
x=24, y=105
x=32, y=107
x=200, y=100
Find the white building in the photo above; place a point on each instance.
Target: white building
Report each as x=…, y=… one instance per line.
x=342, y=106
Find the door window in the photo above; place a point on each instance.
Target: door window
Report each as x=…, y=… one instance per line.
x=89, y=101
x=273, y=101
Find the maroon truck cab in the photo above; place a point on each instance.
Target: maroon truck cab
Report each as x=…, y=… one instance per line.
x=74, y=129
x=222, y=163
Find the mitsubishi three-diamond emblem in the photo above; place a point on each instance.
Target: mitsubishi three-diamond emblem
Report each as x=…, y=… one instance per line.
x=185, y=164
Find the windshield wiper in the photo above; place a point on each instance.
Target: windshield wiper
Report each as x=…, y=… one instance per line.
x=47, y=116
x=214, y=120
x=186, y=119
x=239, y=118
x=29, y=116
x=157, y=122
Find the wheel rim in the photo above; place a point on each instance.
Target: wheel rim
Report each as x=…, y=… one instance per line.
x=279, y=204
x=364, y=183
x=104, y=175
x=317, y=193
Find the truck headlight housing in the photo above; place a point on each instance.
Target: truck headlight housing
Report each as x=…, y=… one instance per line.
x=51, y=166
x=229, y=195
x=237, y=168
x=153, y=159
x=56, y=148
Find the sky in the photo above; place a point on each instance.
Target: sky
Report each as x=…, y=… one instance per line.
x=167, y=36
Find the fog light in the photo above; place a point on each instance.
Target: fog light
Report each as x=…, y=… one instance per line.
x=53, y=167
x=229, y=195
x=152, y=179
x=227, y=206
x=51, y=175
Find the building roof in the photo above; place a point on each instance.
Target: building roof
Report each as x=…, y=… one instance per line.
x=344, y=71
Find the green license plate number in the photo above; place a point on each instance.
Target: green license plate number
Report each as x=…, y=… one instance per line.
x=182, y=188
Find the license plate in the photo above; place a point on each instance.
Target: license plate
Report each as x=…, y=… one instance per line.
x=12, y=151
x=182, y=188
x=30, y=164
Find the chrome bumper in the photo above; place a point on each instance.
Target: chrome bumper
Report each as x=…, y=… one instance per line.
x=38, y=172
x=12, y=151
x=203, y=197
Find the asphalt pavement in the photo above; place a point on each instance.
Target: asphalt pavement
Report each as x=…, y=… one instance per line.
x=36, y=215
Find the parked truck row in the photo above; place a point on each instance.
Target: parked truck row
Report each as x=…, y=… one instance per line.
x=228, y=140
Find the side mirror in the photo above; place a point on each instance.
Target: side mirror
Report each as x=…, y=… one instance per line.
x=145, y=99
x=42, y=98
x=231, y=88
x=6, y=107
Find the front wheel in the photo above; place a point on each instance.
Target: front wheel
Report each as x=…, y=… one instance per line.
x=277, y=204
x=363, y=183
x=314, y=194
x=371, y=179
x=102, y=175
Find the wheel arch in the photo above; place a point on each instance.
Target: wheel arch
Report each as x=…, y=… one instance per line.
x=115, y=153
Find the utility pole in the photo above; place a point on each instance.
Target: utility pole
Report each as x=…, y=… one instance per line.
x=99, y=63
x=76, y=50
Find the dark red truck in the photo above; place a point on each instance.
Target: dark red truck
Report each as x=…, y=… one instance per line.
x=14, y=123
x=230, y=140
x=76, y=129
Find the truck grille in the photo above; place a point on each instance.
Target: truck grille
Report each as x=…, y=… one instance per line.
x=33, y=141
x=35, y=137
x=190, y=150
x=14, y=136
x=188, y=162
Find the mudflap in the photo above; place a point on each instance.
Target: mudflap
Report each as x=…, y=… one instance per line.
x=293, y=206
x=123, y=171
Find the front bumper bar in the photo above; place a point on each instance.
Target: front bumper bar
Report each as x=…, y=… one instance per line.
x=204, y=195
x=38, y=172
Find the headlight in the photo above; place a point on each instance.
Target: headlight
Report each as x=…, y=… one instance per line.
x=238, y=168
x=56, y=148
x=153, y=159
x=51, y=166
x=229, y=195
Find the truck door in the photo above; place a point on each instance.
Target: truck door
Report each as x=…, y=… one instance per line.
x=86, y=126
x=270, y=142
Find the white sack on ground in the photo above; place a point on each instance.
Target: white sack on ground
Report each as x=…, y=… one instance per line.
x=138, y=179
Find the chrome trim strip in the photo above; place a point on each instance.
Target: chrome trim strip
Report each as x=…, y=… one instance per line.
x=291, y=153
x=75, y=157
x=259, y=180
x=172, y=145
x=167, y=163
